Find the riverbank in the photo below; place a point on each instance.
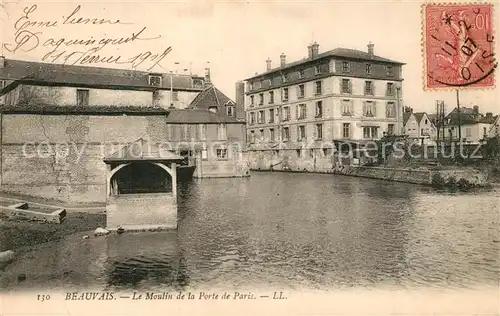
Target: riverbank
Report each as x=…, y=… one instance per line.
x=459, y=177
x=16, y=234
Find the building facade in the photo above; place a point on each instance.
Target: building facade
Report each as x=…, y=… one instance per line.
x=467, y=125
x=342, y=95
x=56, y=134
x=418, y=125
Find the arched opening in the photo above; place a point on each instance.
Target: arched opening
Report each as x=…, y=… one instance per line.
x=141, y=177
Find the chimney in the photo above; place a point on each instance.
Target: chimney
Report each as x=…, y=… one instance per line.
x=370, y=49
x=476, y=109
x=208, y=81
x=2, y=62
x=489, y=115
x=268, y=64
x=314, y=50
x=239, y=109
x=282, y=60
x=310, y=51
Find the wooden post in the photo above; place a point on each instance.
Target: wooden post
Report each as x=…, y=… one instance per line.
x=173, y=167
x=108, y=181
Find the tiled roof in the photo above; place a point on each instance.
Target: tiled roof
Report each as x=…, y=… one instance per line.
x=210, y=97
x=468, y=116
x=88, y=110
x=142, y=150
x=337, y=52
x=406, y=117
x=198, y=116
x=92, y=76
x=418, y=116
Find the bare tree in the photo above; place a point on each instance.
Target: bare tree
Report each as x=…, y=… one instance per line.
x=35, y=95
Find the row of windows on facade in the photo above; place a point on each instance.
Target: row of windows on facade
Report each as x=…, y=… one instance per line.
x=318, y=70
x=369, y=132
x=157, y=81
x=82, y=96
x=346, y=88
x=347, y=109
x=188, y=132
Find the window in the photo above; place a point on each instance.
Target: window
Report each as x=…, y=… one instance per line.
x=368, y=69
x=370, y=131
x=319, y=109
x=286, y=113
x=175, y=95
x=301, y=111
x=347, y=109
x=484, y=131
x=301, y=91
x=271, y=115
x=203, y=131
x=468, y=132
x=390, y=89
x=252, y=100
x=346, y=130
x=82, y=97
x=252, y=136
x=272, y=136
x=285, y=94
x=390, y=71
x=368, y=88
x=346, y=86
x=390, y=110
x=369, y=109
x=426, y=121
x=185, y=132
x=299, y=153
x=301, y=132
x=271, y=97
x=221, y=153
x=286, y=133
x=155, y=81
x=269, y=82
x=250, y=86
x=261, y=98
x=301, y=73
x=319, y=87
x=229, y=110
x=319, y=131
x=204, y=152
x=346, y=66
x=285, y=78
x=252, y=118
x=222, y=132
x=421, y=132
x=262, y=135
x=317, y=69
x=390, y=129
x=261, y=117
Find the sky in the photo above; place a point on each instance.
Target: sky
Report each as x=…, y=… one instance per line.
x=235, y=38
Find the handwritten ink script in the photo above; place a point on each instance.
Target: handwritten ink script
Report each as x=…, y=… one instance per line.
x=33, y=35
x=459, y=45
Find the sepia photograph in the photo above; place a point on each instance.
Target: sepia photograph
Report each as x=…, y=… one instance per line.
x=249, y=157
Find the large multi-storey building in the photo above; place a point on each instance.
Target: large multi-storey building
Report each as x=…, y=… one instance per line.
x=342, y=95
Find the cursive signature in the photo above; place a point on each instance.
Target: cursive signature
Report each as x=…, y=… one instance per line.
x=29, y=35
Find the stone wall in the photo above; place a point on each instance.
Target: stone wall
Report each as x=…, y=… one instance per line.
x=61, y=156
x=149, y=211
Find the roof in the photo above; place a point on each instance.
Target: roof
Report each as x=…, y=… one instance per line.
x=142, y=150
x=47, y=73
x=198, y=116
x=88, y=110
x=419, y=115
x=210, y=97
x=406, y=117
x=468, y=116
x=337, y=52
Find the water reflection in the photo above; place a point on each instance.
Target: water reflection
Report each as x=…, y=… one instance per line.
x=293, y=231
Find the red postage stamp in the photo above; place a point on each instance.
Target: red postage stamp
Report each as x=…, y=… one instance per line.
x=458, y=46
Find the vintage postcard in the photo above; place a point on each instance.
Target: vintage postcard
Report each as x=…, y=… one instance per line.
x=249, y=157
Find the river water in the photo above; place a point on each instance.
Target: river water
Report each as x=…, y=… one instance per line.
x=287, y=231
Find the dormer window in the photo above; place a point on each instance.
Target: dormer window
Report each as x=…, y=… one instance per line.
x=229, y=108
x=155, y=80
